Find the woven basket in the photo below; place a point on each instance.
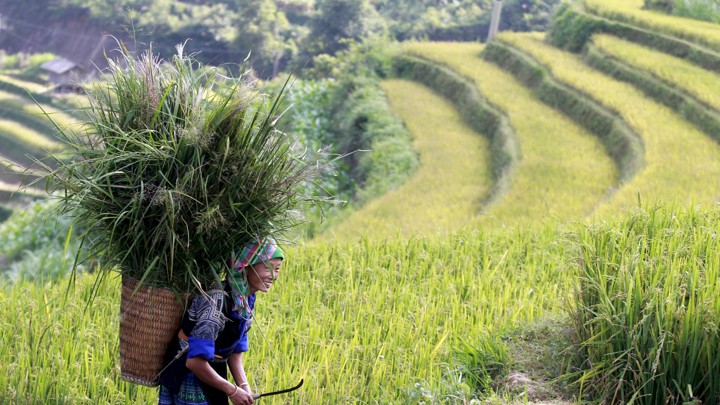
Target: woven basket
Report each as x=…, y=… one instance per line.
x=149, y=321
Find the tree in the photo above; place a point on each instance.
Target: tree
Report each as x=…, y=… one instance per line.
x=337, y=21
x=264, y=32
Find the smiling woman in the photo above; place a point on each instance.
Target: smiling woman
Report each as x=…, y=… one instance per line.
x=214, y=333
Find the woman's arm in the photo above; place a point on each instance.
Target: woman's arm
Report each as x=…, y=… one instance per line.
x=235, y=362
x=202, y=370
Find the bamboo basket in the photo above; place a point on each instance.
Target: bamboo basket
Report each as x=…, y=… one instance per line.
x=149, y=321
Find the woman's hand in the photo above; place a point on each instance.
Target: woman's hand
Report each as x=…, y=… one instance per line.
x=241, y=397
x=202, y=370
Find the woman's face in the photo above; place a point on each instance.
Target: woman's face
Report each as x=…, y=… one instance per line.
x=261, y=275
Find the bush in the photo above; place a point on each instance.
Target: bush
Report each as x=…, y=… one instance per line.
x=571, y=30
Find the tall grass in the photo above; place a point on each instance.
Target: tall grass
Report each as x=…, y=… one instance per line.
x=679, y=158
x=648, y=307
x=631, y=12
x=700, y=83
x=445, y=191
x=179, y=166
x=563, y=172
x=361, y=322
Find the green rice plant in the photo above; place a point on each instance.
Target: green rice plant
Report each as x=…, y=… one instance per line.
x=360, y=321
x=563, y=171
x=179, y=166
x=678, y=157
x=647, y=309
x=453, y=177
x=700, y=83
x=631, y=12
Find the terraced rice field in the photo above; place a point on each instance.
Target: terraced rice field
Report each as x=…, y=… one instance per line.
x=631, y=12
x=453, y=177
x=563, y=172
x=28, y=136
x=704, y=85
x=679, y=158
x=28, y=85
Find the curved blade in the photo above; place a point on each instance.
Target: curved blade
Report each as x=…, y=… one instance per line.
x=267, y=394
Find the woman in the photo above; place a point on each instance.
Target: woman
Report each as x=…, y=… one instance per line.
x=213, y=334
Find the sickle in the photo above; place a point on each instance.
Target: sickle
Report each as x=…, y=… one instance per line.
x=267, y=394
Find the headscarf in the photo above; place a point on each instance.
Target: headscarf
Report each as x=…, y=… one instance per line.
x=252, y=253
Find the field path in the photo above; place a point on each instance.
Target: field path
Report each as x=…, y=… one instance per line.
x=564, y=171
x=454, y=174
x=679, y=158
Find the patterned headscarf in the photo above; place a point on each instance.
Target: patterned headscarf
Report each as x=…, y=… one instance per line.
x=254, y=252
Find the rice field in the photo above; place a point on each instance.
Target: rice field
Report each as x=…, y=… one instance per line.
x=453, y=177
x=564, y=171
x=679, y=158
x=367, y=322
x=702, y=84
x=631, y=12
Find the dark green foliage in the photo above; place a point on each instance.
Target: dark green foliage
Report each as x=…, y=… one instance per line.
x=623, y=145
x=264, y=32
x=5, y=213
x=527, y=15
x=702, y=116
x=475, y=110
x=337, y=22
x=665, y=6
x=377, y=148
x=571, y=29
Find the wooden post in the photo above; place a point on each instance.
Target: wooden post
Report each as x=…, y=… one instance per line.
x=495, y=19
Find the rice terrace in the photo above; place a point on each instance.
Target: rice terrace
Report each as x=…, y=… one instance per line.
x=473, y=201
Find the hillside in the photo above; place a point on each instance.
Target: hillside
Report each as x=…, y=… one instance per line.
x=557, y=243
x=596, y=133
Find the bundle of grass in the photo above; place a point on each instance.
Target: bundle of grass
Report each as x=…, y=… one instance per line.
x=179, y=166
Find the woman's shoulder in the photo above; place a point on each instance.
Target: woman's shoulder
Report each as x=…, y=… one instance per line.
x=214, y=297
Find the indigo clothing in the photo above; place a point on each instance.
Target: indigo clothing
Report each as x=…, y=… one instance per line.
x=214, y=331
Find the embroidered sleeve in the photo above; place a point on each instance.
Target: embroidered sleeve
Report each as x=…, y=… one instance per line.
x=209, y=320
